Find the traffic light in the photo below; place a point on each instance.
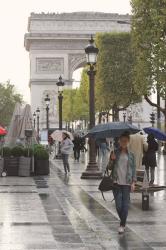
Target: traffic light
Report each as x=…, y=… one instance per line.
x=152, y=119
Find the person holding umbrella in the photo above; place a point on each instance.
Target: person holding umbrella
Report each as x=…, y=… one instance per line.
x=149, y=159
x=66, y=150
x=123, y=166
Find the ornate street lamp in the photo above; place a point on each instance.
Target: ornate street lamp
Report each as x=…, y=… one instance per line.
x=92, y=171
x=34, y=119
x=47, y=101
x=60, y=85
x=38, y=115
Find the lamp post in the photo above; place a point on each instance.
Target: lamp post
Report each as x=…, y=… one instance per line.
x=47, y=101
x=34, y=119
x=124, y=116
x=60, y=85
x=92, y=171
x=38, y=115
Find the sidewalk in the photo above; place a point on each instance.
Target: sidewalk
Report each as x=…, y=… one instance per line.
x=59, y=212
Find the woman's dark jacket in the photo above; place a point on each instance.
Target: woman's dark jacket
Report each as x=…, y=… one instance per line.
x=149, y=159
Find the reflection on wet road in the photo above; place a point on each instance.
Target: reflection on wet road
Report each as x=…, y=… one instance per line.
x=65, y=212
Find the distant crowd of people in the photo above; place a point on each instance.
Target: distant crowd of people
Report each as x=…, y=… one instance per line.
x=144, y=151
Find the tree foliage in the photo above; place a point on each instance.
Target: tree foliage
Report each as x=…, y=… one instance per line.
x=114, y=79
x=75, y=104
x=149, y=44
x=8, y=99
x=68, y=105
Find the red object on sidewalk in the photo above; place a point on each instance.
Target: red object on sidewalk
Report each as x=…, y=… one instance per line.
x=2, y=131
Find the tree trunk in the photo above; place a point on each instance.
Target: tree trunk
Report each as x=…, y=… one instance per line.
x=108, y=116
x=158, y=111
x=116, y=113
x=100, y=117
x=164, y=151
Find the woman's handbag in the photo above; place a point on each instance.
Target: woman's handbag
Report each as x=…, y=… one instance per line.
x=107, y=183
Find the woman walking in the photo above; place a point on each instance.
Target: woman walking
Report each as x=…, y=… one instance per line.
x=124, y=176
x=66, y=150
x=149, y=158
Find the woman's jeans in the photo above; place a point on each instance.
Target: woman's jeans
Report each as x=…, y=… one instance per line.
x=122, y=199
x=65, y=159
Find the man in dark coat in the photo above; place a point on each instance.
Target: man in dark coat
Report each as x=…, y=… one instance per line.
x=77, y=147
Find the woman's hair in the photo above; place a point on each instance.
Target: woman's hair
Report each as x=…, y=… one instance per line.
x=66, y=135
x=126, y=135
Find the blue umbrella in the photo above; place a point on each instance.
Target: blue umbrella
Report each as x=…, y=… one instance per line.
x=112, y=129
x=157, y=133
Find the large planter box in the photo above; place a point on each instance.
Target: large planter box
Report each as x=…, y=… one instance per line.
x=42, y=167
x=1, y=165
x=11, y=166
x=24, y=166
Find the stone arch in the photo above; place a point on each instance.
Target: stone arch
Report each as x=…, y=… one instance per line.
x=56, y=45
x=76, y=61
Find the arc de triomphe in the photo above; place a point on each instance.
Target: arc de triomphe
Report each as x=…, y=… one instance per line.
x=56, y=45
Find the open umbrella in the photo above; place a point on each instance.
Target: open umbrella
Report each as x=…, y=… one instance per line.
x=157, y=133
x=112, y=129
x=2, y=131
x=57, y=135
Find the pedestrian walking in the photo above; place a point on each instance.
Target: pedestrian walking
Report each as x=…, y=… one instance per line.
x=138, y=146
x=149, y=159
x=66, y=150
x=83, y=143
x=77, y=147
x=103, y=156
x=122, y=162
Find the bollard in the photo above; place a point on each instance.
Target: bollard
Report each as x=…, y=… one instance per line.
x=145, y=201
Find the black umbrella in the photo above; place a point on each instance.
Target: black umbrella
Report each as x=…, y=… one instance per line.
x=112, y=130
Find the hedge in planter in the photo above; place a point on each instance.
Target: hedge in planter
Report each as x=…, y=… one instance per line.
x=25, y=163
x=1, y=165
x=41, y=161
x=6, y=152
x=12, y=162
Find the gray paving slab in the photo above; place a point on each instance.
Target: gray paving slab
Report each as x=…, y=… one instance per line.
x=59, y=212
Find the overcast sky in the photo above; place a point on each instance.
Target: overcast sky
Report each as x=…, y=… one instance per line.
x=14, y=60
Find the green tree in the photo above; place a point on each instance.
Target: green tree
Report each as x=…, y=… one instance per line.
x=114, y=79
x=83, y=96
x=76, y=101
x=8, y=99
x=149, y=45
x=68, y=105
